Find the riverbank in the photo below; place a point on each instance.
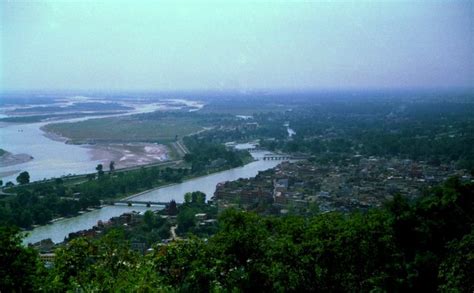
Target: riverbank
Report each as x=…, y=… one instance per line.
x=124, y=155
x=9, y=159
x=164, y=193
x=53, y=135
x=50, y=150
x=184, y=181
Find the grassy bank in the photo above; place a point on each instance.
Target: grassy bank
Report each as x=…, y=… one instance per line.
x=126, y=129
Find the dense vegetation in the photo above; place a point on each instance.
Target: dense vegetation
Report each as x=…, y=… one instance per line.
x=433, y=127
x=422, y=128
x=423, y=246
x=194, y=203
x=39, y=203
x=208, y=155
x=145, y=230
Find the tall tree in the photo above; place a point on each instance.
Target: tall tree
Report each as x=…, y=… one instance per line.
x=112, y=166
x=149, y=219
x=100, y=170
x=172, y=208
x=23, y=178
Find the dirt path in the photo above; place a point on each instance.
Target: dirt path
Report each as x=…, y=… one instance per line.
x=173, y=232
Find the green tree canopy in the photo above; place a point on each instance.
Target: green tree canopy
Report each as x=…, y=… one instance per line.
x=20, y=268
x=23, y=178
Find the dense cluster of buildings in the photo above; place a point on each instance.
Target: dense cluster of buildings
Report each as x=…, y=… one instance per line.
x=358, y=183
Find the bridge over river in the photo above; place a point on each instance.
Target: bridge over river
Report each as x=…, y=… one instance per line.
x=132, y=202
x=283, y=157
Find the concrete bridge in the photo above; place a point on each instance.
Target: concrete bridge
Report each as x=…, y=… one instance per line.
x=136, y=203
x=277, y=157
x=284, y=157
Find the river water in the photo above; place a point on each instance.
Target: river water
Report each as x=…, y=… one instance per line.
x=51, y=158
x=55, y=158
x=207, y=184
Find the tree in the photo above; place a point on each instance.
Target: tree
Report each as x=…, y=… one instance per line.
x=186, y=219
x=456, y=272
x=100, y=171
x=23, y=178
x=186, y=265
x=24, y=219
x=19, y=266
x=195, y=197
x=188, y=197
x=172, y=208
x=102, y=265
x=149, y=219
x=198, y=197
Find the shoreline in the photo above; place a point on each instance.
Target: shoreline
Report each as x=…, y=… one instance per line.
x=9, y=173
x=124, y=155
x=9, y=159
x=187, y=179
x=52, y=135
x=55, y=220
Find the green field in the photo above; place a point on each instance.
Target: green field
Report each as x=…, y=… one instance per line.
x=126, y=129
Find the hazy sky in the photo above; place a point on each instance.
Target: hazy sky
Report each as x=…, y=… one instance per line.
x=241, y=45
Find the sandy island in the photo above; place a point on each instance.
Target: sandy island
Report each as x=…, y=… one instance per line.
x=123, y=154
x=129, y=154
x=9, y=159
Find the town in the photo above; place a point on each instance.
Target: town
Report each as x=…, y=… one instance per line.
x=357, y=184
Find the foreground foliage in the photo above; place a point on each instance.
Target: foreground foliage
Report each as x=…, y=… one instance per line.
x=425, y=245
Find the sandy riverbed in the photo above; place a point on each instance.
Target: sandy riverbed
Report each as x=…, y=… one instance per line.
x=129, y=154
x=123, y=154
x=9, y=159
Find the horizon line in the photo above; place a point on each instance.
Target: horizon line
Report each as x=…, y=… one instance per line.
x=249, y=91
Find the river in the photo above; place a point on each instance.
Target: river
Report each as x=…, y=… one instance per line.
x=207, y=184
x=53, y=158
